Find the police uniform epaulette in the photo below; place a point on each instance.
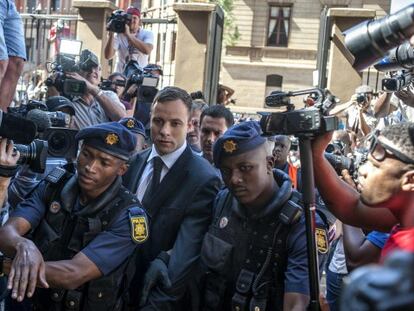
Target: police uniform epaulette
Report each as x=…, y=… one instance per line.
x=56, y=175
x=139, y=224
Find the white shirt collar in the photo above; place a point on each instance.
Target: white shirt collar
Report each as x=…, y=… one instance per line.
x=170, y=158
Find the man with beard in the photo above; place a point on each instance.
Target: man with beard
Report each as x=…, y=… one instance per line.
x=386, y=183
x=255, y=256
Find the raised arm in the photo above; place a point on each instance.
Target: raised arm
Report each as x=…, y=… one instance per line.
x=341, y=199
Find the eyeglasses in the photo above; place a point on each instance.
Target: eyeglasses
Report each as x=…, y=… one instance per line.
x=378, y=150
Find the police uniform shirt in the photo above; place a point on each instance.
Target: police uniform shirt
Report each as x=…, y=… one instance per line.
x=107, y=251
x=296, y=273
x=168, y=161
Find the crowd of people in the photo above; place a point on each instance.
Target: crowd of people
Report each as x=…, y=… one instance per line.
x=163, y=202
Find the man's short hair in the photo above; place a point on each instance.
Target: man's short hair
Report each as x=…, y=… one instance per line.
x=402, y=136
x=218, y=111
x=171, y=93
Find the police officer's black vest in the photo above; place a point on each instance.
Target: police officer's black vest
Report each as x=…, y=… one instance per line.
x=62, y=234
x=259, y=284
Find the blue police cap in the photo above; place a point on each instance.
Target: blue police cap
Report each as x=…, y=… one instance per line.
x=112, y=138
x=238, y=139
x=133, y=125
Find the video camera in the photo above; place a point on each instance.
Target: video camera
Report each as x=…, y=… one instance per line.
x=307, y=121
x=107, y=85
x=50, y=128
x=143, y=78
x=399, y=62
x=66, y=62
x=117, y=21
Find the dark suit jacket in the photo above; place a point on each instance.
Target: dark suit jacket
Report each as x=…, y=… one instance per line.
x=180, y=213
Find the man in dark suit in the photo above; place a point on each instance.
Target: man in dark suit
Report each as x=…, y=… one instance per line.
x=176, y=188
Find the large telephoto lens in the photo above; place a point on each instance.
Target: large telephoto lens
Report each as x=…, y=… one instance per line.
x=398, y=59
x=370, y=41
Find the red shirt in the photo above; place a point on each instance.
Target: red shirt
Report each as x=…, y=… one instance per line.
x=400, y=239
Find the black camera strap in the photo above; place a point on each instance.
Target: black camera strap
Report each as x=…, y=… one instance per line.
x=8, y=171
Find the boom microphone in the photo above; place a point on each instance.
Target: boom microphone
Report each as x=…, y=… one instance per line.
x=20, y=130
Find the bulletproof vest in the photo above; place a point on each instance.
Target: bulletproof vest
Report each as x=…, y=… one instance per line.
x=246, y=259
x=63, y=233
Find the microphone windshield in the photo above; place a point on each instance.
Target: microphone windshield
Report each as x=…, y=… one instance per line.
x=20, y=130
x=40, y=118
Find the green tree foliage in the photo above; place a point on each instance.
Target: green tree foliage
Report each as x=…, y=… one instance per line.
x=231, y=31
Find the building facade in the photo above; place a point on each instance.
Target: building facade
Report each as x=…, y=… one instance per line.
x=278, y=46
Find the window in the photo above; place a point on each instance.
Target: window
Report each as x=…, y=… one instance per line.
x=279, y=24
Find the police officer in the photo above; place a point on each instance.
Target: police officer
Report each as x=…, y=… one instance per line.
x=83, y=227
x=138, y=129
x=255, y=250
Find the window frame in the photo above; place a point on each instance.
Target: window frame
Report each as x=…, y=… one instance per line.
x=270, y=18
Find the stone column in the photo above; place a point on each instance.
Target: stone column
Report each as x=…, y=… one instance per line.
x=193, y=58
x=92, y=27
x=342, y=77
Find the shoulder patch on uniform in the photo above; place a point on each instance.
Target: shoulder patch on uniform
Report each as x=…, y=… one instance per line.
x=139, y=225
x=321, y=240
x=55, y=175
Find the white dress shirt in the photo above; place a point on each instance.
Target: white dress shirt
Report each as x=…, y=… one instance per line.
x=168, y=161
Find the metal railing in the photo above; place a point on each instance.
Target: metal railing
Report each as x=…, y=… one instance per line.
x=38, y=29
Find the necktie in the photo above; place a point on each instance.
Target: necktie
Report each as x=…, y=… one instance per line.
x=157, y=165
x=156, y=174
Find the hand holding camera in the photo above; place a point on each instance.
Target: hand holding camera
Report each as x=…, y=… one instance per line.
x=8, y=161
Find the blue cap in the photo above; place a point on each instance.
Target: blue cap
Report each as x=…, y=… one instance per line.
x=238, y=139
x=112, y=138
x=133, y=125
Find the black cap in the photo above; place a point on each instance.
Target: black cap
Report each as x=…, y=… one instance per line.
x=55, y=103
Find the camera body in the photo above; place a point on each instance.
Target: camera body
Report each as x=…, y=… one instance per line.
x=340, y=162
x=397, y=82
x=67, y=63
x=53, y=137
x=117, y=21
x=147, y=82
x=307, y=121
x=361, y=98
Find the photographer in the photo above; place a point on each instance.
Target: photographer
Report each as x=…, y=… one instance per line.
x=95, y=105
x=135, y=43
x=387, y=183
x=395, y=107
x=359, y=117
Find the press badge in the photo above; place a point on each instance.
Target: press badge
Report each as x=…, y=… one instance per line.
x=139, y=225
x=321, y=241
